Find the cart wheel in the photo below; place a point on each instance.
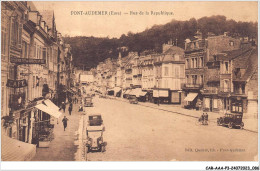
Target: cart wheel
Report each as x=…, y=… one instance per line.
x=230, y=125
x=242, y=125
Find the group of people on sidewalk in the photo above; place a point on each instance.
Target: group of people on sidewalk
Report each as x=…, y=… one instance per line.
x=63, y=107
x=204, y=118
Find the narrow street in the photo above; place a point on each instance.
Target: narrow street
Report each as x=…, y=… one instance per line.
x=137, y=133
x=62, y=147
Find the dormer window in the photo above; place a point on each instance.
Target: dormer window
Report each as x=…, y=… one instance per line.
x=231, y=43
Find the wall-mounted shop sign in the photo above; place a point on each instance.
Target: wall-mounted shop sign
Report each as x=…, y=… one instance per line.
x=16, y=83
x=27, y=60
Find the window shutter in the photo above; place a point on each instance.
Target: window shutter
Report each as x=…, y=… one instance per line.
x=20, y=30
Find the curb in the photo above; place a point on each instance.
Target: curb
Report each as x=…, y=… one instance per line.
x=249, y=130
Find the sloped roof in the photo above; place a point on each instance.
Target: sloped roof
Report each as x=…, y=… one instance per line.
x=229, y=55
x=172, y=51
x=48, y=16
x=31, y=6
x=252, y=65
x=248, y=61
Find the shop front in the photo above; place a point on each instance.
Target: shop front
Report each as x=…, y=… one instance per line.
x=175, y=97
x=161, y=96
x=238, y=104
x=45, y=116
x=211, y=103
x=191, y=100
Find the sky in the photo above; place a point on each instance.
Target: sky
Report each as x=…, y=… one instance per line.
x=115, y=25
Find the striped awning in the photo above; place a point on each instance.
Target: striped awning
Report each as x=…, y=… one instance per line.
x=190, y=97
x=50, y=108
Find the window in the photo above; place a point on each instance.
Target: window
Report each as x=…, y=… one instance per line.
x=226, y=86
x=194, y=79
x=24, y=49
x=166, y=71
x=226, y=67
x=195, y=63
x=177, y=72
x=187, y=79
x=182, y=71
x=201, y=79
x=33, y=81
x=187, y=63
x=165, y=83
x=231, y=43
x=4, y=36
x=201, y=62
x=192, y=63
x=44, y=54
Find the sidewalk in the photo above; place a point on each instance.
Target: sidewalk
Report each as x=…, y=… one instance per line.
x=64, y=145
x=251, y=124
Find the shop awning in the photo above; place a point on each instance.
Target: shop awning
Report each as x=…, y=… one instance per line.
x=50, y=110
x=51, y=104
x=190, y=97
x=127, y=91
x=143, y=93
x=117, y=89
x=136, y=92
x=14, y=150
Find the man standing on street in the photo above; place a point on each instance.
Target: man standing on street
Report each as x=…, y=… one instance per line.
x=70, y=108
x=63, y=106
x=64, y=120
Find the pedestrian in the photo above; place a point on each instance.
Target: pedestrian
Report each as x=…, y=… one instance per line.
x=65, y=120
x=202, y=118
x=63, y=106
x=70, y=108
x=206, y=118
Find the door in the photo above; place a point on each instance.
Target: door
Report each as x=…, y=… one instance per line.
x=211, y=105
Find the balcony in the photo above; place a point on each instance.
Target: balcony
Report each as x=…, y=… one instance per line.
x=191, y=86
x=210, y=91
x=225, y=90
x=239, y=92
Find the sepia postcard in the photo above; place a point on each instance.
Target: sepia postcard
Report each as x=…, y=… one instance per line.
x=129, y=81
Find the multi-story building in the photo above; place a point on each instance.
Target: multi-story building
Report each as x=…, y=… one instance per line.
x=238, y=79
x=146, y=64
x=212, y=75
x=29, y=71
x=198, y=53
x=137, y=72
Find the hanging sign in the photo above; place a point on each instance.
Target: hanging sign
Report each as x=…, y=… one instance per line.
x=16, y=83
x=26, y=60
